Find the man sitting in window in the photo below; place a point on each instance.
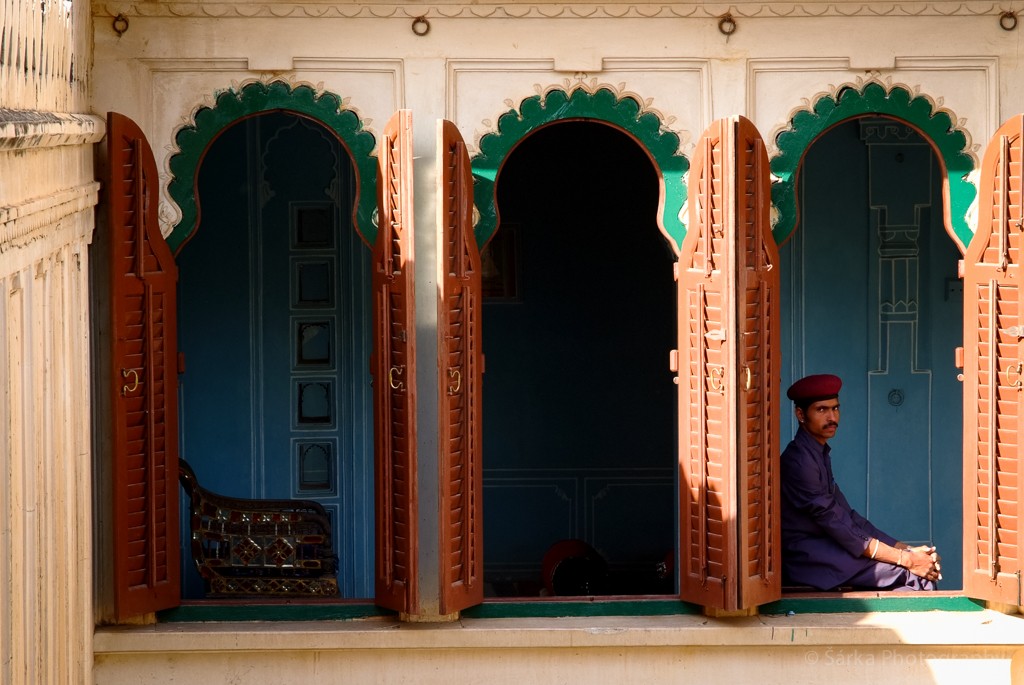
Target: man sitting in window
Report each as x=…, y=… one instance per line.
x=825, y=543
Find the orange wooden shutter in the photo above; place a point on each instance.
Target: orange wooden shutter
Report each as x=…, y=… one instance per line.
x=394, y=389
x=706, y=497
x=144, y=386
x=993, y=331
x=459, y=362
x=728, y=376
x=757, y=394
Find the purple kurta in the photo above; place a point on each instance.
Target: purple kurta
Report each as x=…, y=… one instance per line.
x=823, y=539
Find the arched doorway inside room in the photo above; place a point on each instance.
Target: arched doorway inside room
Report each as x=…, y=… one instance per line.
x=870, y=292
x=274, y=328
x=579, y=404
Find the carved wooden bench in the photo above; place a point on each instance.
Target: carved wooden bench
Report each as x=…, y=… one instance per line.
x=260, y=547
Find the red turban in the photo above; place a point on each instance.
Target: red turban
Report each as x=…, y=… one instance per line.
x=809, y=389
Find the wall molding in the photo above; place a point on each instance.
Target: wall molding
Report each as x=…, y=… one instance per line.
x=515, y=10
x=21, y=129
x=576, y=502
x=48, y=218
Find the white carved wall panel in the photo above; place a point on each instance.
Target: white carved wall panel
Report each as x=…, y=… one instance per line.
x=967, y=86
x=374, y=89
x=479, y=91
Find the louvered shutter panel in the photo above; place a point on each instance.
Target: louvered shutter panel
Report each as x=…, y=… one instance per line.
x=706, y=487
x=460, y=362
x=394, y=390
x=728, y=376
x=144, y=387
x=757, y=413
x=993, y=334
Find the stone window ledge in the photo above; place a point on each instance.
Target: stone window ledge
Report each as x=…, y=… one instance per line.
x=981, y=628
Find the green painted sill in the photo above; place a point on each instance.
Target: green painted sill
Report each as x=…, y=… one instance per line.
x=657, y=606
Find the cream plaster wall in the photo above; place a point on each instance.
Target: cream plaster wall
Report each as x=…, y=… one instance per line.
x=45, y=465
x=47, y=196
x=45, y=457
x=477, y=62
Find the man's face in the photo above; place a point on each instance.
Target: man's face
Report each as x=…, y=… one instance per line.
x=820, y=419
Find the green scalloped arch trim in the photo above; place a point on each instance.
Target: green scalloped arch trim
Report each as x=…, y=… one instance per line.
x=604, y=105
x=255, y=98
x=949, y=142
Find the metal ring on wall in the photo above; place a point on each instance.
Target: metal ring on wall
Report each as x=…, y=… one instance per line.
x=120, y=24
x=420, y=26
x=1008, y=20
x=727, y=25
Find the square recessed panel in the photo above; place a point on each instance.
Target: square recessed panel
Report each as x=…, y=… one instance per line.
x=312, y=282
x=313, y=226
x=316, y=466
x=546, y=511
x=314, y=403
x=313, y=340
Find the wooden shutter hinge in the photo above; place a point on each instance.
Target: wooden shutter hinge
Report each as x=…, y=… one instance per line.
x=181, y=362
x=716, y=334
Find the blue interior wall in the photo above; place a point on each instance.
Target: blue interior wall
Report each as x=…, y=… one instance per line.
x=214, y=339
x=242, y=306
x=870, y=293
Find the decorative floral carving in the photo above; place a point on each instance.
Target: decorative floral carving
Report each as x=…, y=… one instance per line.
x=576, y=98
x=877, y=97
x=253, y=96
